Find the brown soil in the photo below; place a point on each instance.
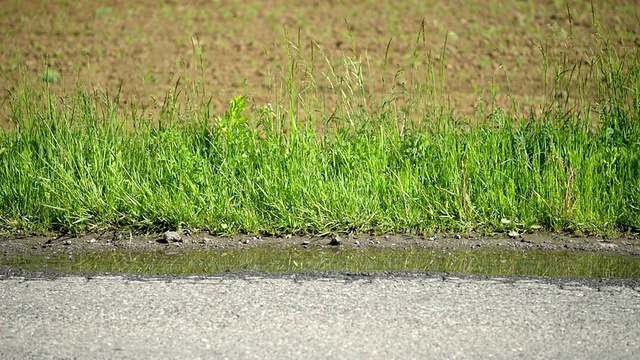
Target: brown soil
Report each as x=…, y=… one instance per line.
x=10, y=247
x=246, y=47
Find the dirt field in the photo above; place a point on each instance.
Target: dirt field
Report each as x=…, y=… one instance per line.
x=242, y=46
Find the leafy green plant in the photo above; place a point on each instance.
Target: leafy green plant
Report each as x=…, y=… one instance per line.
x=400, y=162
x=49, y=76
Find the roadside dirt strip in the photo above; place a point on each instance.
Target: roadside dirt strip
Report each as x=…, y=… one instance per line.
x=625, y=244
x=317, y=315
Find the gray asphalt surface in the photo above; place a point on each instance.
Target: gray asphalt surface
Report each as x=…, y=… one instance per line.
x=317, y=316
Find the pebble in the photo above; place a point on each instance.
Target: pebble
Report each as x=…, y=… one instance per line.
x=172, y=236
x=335, y=241
x=608, y=245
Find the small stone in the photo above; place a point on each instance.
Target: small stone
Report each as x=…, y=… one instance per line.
x=356, y=243
x=66, y=242
x=336, y=241
x=458, y=236
x=92, y=241
x=608, y=245
x=172, y=236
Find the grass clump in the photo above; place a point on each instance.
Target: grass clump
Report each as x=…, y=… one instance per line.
x=77, y=163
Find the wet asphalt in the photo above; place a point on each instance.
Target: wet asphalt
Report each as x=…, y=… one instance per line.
x=316, y=316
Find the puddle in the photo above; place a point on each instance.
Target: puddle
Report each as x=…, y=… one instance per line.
x=493, y=262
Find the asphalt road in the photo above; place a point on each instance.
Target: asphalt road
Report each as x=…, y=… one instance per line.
x=317, y=316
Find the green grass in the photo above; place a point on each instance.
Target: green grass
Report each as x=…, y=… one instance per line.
x=76, y=162
x=490, y=262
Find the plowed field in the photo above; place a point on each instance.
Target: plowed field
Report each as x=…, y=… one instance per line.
x=485, y=49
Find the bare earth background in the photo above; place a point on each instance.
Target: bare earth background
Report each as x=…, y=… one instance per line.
x=244, y=47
